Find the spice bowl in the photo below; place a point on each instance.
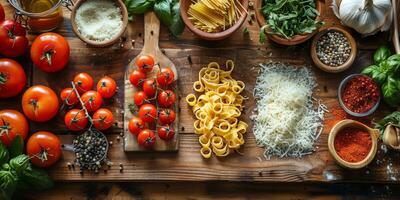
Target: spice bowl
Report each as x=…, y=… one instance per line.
x=124, y=13
x=343, y=66
x=347, y=123
x=185, y=4
x=342, y=101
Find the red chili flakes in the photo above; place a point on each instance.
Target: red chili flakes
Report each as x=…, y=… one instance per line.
x=360, y=94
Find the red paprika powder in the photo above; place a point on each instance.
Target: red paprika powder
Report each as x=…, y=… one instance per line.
x=353, y=144
x=360, y=94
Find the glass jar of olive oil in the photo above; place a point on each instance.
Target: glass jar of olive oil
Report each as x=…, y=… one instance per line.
x=40, y=15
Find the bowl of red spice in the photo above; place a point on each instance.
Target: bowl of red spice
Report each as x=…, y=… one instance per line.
x=353, y=144
x=359, y=95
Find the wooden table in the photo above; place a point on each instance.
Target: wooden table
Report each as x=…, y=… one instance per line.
x=190, y=54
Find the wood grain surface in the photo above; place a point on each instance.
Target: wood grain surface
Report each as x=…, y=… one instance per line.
x=190, y=54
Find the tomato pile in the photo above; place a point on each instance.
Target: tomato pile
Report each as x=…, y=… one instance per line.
x=78, y=119
x=155, y=99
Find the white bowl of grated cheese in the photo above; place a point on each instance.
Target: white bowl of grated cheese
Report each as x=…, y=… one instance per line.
x=99, y=23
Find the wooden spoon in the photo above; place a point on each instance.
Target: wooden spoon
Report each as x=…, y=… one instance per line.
x=151, y=38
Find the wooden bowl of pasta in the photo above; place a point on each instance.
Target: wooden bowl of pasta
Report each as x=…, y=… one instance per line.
x=216, y=34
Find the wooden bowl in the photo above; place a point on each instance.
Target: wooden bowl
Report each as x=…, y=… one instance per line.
x=353, y=124
x=105, y=43
x=211, y=36
x=340, y=68
x=297, y=39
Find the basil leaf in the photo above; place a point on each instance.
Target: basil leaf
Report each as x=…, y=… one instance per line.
x=20, y=163
x=17, y=147
x=391, y=92
x=369, y=70
x=393, y=118
x=177, y=26
x=37, y=178
x=8, y=183
x=138, y=6
x=381, y=54
x=394, y=63
x=162, y=9
x=4, y=155
x=379, y=75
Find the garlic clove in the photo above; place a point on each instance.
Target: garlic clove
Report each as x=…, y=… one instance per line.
x=391, y=136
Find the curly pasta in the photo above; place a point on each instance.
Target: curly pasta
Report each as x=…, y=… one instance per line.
x=217, y=110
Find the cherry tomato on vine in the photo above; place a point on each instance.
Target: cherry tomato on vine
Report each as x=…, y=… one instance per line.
x=44, y=149
x=146, y=138
x=139, y=98
x=12, y=123
x=137, y=78
x=150, y=87
x=166, y=98
x=145, y=63
x=135, y=125
x=13, y=41
x=12, y=78
x=92, y=100
x=50, y=52
x=40, y=103
x=68, y=96
x=75, y=120
x=148, y=113
x=103, y=119
x=166, y=132
x=106, y=87
x=165, y=76
x=167, y=116
x=83, y=82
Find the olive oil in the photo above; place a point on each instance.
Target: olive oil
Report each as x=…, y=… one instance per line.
x=46, y=22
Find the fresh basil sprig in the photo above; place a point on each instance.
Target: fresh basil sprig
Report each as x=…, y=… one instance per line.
x=167, y=12
x=16, y=171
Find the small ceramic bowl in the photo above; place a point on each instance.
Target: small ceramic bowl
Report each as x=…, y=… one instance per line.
x=344, y=66
x=348, y=111
x=347, y=123
x=211, y=36
x=297, y=39
x=105, y=43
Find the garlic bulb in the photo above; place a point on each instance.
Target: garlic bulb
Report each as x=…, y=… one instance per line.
x=365, y=16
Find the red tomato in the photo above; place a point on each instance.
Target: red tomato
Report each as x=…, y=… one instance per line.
x=92, y=100
x=76, y=120
x=12, y=123
x=44, y=149
x=140, y=98
x=146, y=138
x=137, y=78
x=103, y=119
x=165, y=76
x=13, y=41
x=40, y=103
x=2, y=15
x=167, y=116
x=166, y=132
x=150, y=87
x=83, y=82
x=147, y=113
x=135, y=125
x=12, y=78
x=106, y=87
x=166, y=98
x=145, y=63
x=50, y=52
x=68, y=96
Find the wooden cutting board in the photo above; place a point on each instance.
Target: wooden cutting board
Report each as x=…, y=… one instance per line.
x=151, y=38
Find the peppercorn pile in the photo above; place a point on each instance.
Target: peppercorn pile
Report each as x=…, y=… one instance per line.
x=333, y=49
x=353, y=144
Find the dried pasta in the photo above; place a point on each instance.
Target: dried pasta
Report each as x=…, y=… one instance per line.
x=215, y=15
x=217, y=110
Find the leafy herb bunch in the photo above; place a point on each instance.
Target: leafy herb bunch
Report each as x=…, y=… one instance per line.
x=288, y=18
x=16, y=171
x=166, y=10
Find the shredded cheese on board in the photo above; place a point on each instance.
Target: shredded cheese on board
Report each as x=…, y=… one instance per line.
x=286, y=123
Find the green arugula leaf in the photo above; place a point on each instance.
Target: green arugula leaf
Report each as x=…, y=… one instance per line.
x=4, y=155
x=17, y=147
x=262, y=36
x=177, y=26
x=138, y=6
x=162, y=8
x=20, y=163
x=37, y=178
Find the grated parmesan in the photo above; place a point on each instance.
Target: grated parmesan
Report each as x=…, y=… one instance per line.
x=286, y=123
x=98, y=20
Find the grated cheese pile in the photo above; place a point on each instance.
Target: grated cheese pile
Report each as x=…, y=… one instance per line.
x=286, y=123
x=99, y=20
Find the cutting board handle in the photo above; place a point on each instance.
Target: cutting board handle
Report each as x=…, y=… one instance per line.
x=151, y=33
